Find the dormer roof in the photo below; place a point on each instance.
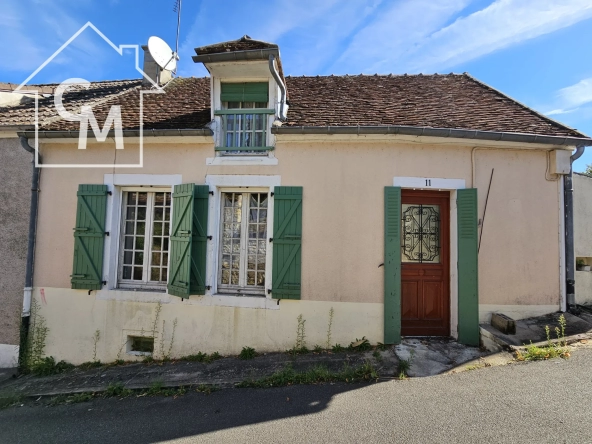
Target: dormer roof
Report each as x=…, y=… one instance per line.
x=245, y=43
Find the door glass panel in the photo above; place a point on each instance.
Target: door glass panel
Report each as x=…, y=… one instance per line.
x=420, y=233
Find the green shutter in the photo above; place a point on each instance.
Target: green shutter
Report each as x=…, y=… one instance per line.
x=199, y=241
x=468, y=285
x=392, y=265
x=245, y=92
x=89, y=236
x=287, y=242
x=181, y=240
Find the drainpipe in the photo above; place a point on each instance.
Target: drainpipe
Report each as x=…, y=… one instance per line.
x=283, y=106
x=570, y=278
x=26, y=314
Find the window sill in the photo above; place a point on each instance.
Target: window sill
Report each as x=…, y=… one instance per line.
x=215, y=300
x=242, y=160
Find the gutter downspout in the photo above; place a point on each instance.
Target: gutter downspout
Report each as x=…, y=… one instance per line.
x=26, y=314
x=570, y=260
x=283, y=111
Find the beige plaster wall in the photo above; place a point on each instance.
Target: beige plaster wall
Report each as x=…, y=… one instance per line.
x=15, y=195
x=582, y=186
x=343, y=211
x=342, y=245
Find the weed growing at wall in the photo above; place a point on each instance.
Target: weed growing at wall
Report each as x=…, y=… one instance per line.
x=331, y=314
x=405, y=365
x=247, y=353
x=96, y=338
x=202, y=357
x=552, y=350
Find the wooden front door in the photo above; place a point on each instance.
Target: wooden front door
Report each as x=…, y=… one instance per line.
x=425, y=267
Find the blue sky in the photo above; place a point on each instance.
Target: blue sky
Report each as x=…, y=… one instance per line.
x=536, y=51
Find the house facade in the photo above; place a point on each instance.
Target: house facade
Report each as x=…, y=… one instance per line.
x=248, y=202
x=582, y=185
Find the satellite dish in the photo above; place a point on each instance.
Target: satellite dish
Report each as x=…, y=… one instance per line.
x=162, y=53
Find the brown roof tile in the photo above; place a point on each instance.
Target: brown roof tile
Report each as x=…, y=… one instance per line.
x=440, y=101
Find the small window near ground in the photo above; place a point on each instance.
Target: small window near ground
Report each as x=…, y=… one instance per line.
x=243, y=245
x=145, y=239
x=141, y=344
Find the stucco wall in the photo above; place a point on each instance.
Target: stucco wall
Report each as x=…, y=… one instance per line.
x=583, y=235
x=15, y=194
x=582, y=215
x=343, y=214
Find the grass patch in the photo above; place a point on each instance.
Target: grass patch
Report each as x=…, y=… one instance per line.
x=48, y=366
x=316, y=375
x=247, y=353
x=337, y=348
x=90, y=364
x=551, y=349
x=9, y=401
x=404, y=366
x=360, y=345
x=202, y=357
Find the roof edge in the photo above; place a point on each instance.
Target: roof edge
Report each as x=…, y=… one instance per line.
x=492, y=136
x=541, y=115
x=126, y=133
x=237, y=56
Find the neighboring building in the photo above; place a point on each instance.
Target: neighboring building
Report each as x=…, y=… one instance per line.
x=15, y=195
x=370, y=199
x=582, y=185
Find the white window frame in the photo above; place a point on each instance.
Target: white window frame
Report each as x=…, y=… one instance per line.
x=220, y=158
x=115, y=183
x=246, y=183
x=243, y=289
x=145, y=284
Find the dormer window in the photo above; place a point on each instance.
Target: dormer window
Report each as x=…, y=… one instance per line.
x=244, y=118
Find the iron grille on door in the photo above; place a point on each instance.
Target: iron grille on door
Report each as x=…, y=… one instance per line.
x=420, y=233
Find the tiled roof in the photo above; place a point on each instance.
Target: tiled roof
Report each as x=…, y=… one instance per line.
x=245, y=43
x=440, y=101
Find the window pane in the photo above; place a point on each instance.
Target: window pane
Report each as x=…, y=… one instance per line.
x=129, y=227
x=156, y=244
x=156, y=258
x=154, y=274
x=259, y=140
x=259, y=119
x=158, y=213
x=250, y=278
x=140, y=243
x=420, y=232
x=137, y=273
x=142, y=198
x=131, y=213
x=233, y=105
x=248, y=104
x=131, y=198
x=159, y=199
x=127, y=257
x=138, y=258
x=129, y=242
x=230, y=122
x=141, y=213
x=127, y=273
x=140, y=227
x=261, y=105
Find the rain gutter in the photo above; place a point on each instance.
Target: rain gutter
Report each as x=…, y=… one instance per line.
x=493, y=136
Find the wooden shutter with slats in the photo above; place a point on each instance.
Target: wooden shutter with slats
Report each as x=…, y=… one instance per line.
x=468, y=268
x=392, y=265
x=287, y=242
x=89, y=237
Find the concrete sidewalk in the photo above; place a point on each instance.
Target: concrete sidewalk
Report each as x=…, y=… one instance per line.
x=427, y=357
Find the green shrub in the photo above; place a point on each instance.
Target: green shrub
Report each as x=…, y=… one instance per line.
x=247, y=353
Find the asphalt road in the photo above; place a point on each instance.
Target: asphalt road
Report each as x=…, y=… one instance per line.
x=535, y=402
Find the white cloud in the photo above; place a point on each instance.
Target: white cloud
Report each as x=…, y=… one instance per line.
x=395, y=34
x=571, y=98
x=501, y=24
x=417, y=36
x=307, y=30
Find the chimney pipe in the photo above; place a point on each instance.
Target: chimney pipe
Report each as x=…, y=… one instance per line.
x=151, y=69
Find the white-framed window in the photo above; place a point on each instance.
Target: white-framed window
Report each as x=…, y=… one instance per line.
x=243, y=241
x=244, y=127
x=144, y=238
